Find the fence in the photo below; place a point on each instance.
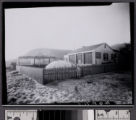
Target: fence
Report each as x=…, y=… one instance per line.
x=59, y=74
x=96, y=69
x=44, y=76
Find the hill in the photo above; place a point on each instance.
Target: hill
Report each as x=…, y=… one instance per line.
x=58, y=53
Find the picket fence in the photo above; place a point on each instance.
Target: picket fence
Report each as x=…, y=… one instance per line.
x=59, y=74
x=45, y=76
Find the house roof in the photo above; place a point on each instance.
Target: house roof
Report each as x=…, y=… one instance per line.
x=86, y=48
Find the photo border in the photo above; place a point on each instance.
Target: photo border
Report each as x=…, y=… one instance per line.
x=10, y=5
x=132, y=108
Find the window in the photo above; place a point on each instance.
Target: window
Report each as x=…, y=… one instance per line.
x=112, y=56
x=79, y=58
x=26, y=61
x=88, y=58
x=105, y=56
x=72, y=58
x=98, y=55
x=45, y=61
x=66, y=58
x=41, y=61
x=52, y=59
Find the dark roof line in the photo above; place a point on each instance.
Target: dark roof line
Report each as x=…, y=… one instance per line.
x=88, y=48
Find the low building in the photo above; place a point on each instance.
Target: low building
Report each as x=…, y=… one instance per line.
x=35, y=60
x=92, y=55
x=33, y=66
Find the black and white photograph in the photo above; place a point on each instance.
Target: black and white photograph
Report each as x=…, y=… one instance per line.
x=50, y=114
x=69, y=55
x=83, y=114
x=112, y=114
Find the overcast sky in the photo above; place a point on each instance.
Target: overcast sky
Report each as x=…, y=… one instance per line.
x=64, y=27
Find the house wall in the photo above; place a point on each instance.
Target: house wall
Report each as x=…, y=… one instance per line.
x=104, y=49
x=93, y=56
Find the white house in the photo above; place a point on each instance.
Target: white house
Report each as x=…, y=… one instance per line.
x=95, y=54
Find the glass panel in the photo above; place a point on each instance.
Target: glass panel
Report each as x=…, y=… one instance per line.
x=98, y=55
x=41, y=61
x=79, y=58
x=72, y=58
x=88, y=58
x=105, y=56
x=52, y=59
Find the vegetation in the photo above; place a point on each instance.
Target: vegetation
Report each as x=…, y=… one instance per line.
x=114, y=87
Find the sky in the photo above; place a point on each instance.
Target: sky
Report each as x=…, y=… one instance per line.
x=64, y=27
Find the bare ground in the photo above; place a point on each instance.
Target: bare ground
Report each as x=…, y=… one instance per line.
x=116, y=87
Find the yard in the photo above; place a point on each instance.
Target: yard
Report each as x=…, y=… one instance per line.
x=115, y=87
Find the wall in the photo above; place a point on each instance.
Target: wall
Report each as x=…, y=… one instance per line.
x=34, y=72
x=102, y=49
x=93, y=57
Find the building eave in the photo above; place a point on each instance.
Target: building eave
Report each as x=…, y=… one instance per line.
x=80, y=52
